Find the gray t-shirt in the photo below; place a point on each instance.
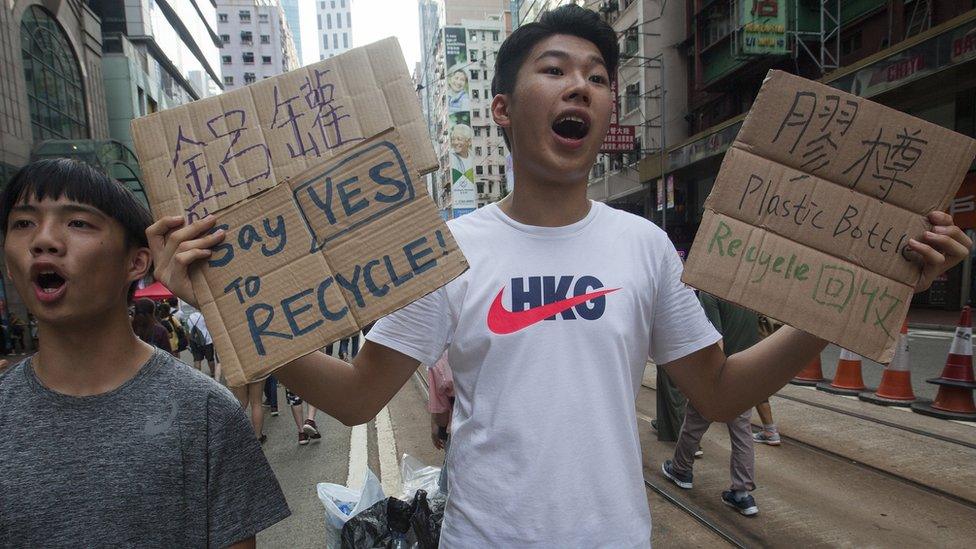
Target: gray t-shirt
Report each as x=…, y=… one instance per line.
x=166, y=460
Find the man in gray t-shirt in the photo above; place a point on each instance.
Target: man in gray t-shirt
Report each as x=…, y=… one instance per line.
x=168, y=459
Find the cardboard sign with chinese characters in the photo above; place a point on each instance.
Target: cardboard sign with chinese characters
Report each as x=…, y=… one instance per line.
x=809, y=218
x=315, y=177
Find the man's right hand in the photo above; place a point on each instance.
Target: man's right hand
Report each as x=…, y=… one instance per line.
x=176, y=246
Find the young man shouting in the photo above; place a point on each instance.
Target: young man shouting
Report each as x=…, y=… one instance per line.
x=550, y=328
x=108, y=442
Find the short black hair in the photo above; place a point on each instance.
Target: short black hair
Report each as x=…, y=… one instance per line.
x=571, y=20
x=56, y=177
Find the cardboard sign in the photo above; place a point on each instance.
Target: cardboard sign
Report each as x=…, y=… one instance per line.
x=809, y=218
x=315, y=177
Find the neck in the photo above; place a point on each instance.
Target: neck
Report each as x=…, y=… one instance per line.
x=545, y=203
x=89, y=358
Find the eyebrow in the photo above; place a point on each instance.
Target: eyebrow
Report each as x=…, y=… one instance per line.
x=67, y=208
x=561, y=55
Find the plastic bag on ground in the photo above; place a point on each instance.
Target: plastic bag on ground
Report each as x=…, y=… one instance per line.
x=417, y=476
x=342, y=503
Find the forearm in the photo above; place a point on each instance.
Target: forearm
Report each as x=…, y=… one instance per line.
x=352, y=393
x=749, y=377
x=722, y=388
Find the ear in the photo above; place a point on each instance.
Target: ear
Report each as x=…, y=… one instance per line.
x=140, y=263
x=500, y=105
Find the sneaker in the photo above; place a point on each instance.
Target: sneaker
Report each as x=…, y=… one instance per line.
x=302, y=438
x=264, y=403
x=683, y=481
x=699, y=453
x=654, y=425
x=274, y=410
x=745, y=506
x=263, y=438
x=766, y=437
x=311, y=429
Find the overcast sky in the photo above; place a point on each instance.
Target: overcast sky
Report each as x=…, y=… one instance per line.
x=371, y=21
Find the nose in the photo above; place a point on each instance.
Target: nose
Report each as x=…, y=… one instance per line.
x=47, y=240
x=579, y=90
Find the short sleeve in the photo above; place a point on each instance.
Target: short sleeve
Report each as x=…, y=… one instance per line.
x=679, y=325
x=421, y=330
x=242, y=492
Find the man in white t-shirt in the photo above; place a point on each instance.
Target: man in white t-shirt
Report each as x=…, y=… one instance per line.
x=550, y=329
x=196, y=320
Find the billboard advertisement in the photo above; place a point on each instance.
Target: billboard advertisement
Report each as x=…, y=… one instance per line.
x=763, y=27
x=464, y=196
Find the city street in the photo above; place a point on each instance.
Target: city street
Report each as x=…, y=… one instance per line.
x=868, y=468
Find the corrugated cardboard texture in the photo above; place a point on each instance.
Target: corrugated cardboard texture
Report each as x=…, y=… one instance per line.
x=812, y=209
x=329, y=225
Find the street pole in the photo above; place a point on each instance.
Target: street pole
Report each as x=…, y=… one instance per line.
x=664, y=146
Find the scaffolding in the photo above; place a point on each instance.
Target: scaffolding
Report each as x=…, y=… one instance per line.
x=821, y=44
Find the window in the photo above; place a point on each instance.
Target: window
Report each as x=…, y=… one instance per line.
x=325, y=41
x=474, y=94
x=265, y=39
x=248, y=57
x=262, y=17
x=489, y=169
x=477, y=151
x=477, y=114
x=333, y=4
x=318, y=17
x=343, y=3
x=481, y=187
x=477, y=131
x=498, y=131
x=474, y=54
x=501, y=167
x=494, y=36
x=226, y=59
x=221, y=17
x=349, y=19
x=55, y=91
x=851, y=44
x=472, y=36
x=247, y=38
x=328, y=20
x=245, y=16
x=338, y=20
x=480, y=170
x=474, y=75
x=249, y=78
x=265, y=59
x=501, y=152
x=631, y=41
x=632, y=97
x=717, y=25
x=229, y=80
x=225, y=39
x=335, y=41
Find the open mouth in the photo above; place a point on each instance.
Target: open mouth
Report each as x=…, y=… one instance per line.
x=571, y=127
x=49, y=282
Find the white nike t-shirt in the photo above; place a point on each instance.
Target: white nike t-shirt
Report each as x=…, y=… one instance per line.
x=549, y=332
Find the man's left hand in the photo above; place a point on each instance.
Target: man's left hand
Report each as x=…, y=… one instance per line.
x=941, y=249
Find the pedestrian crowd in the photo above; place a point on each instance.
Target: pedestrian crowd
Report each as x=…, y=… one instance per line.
x=110, y=440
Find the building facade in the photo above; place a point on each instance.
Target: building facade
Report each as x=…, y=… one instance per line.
x=454, y=82
x=333, y=19
x=256, y=42
x=294, y=20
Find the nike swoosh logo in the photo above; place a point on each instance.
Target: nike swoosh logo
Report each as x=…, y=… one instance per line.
x=501, y=321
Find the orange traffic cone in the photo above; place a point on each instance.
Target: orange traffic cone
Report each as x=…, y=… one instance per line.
x=811, y=375
x=847, y=379
x=955, y=397
x=896, y=382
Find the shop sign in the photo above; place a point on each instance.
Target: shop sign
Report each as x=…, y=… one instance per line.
x=619, y=139
x=715, y=143
x=763, y=24
x=950, y=48
x=963, y=206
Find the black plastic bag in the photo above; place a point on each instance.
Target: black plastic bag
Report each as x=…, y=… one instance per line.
x=396, y=524
x=385, y=525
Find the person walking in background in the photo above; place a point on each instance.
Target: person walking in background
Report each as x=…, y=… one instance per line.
x=174, y=330
x=250, y=397
x=16, y=332
x=307, y=428
x=440, y=404
x=201, y=345
x=145, y=325
x=769, y=433
x=740, y=330
x=271, y=395
x=32, y=330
